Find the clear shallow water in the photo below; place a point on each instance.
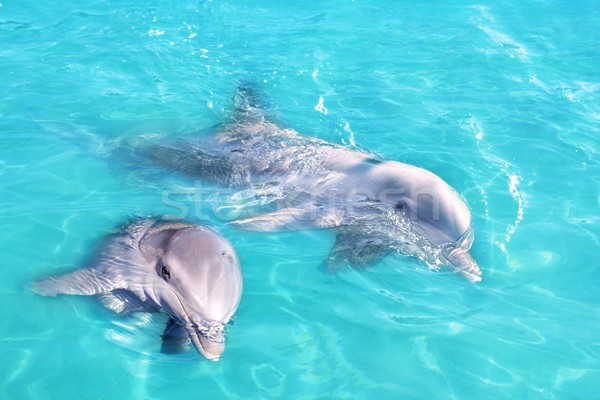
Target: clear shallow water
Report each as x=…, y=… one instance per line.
x=500, y=99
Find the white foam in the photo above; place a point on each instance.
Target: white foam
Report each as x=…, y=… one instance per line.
x=320, y=107
x=473, y=125
x=428, y=359
x=513, y=186
x=155, y=32
x=578, y=91
x=534, y=79
x=346, y=127
x=485, y=11
x=513, y=48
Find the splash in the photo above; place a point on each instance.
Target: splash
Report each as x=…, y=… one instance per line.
x=513, y=186
x=473, y=125
x=155, y=32
x=511, y=47
x=346, y=128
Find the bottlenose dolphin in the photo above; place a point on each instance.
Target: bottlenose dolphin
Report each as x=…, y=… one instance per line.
x=184, y=270
x=377, y=206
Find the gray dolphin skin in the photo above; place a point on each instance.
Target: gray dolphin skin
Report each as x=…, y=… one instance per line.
x=187, y=271
x=377, y=206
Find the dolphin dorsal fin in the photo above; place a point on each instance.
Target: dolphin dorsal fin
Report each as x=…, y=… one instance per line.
x=250, y=103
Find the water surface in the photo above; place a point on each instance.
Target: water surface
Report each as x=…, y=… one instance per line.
x=499, y=98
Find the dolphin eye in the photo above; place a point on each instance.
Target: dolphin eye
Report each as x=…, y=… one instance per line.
x=163, y=270
x=399, y=206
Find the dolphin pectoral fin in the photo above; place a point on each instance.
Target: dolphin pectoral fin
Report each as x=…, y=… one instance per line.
x=355, y=250
x=175, y=338
x=124, y=302
x=289, y=219
x=86, y=281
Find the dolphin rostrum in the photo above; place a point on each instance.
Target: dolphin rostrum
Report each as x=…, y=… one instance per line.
x=187, y=271
x=377, y=206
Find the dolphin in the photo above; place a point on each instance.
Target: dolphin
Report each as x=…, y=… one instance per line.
x=186, y=271
x=377, y=206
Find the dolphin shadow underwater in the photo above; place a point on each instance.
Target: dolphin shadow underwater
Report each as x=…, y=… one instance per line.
x=187, y=271
x=377, y=206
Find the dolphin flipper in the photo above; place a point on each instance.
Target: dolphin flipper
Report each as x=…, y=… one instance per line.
x=175, y=338
x=356, y=250
x=86, y=281
x=123, y=302
x=289, y=219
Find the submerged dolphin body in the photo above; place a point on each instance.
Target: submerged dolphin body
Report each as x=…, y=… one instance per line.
x=184, y=270
x=377, y=206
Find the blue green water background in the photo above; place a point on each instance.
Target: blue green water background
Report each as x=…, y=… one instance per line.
x=500, y=98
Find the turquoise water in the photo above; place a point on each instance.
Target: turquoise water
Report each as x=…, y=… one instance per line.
x=500, y=98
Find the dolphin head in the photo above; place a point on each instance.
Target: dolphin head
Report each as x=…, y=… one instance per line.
x=201, y=287
x=432, y=207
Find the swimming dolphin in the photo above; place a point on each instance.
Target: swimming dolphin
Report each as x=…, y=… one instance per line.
x=184, y=270
x=377, y=206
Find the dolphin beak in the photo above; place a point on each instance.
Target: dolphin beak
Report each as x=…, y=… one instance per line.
x=463, y=263
x=458, y=256
x=210, y=349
